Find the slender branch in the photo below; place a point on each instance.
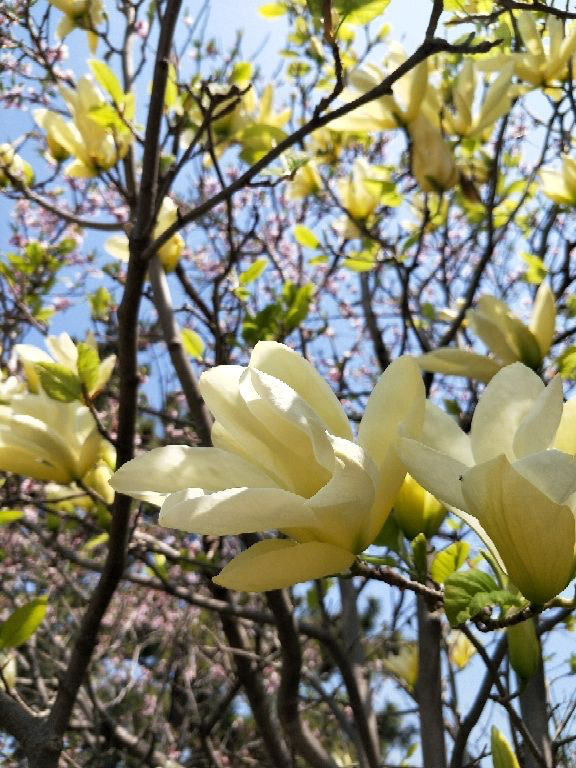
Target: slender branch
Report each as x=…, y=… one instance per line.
x=173, y=338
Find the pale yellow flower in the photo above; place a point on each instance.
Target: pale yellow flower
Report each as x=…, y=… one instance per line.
x=417, y=511
x=540, y=66
x=80, y=14
x=45, y=439
x=433, y=163
x=404, y=664
x=462, y=121
x=505, y=335
x=284, y=459
x=507, y=478
x=13, y=169
x=169, y=253
x=95, y=147
x=560, y=186
x=63, y=351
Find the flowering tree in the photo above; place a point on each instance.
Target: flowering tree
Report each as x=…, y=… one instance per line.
x=324, y=321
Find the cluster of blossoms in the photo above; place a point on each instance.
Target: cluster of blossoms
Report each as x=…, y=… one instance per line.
x=285, y=458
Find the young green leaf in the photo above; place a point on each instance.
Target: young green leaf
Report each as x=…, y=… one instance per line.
x=59, y=382
x=22, y=623
x=192, y=343
x=88, y=366
x=107, y=80
x=449, y=561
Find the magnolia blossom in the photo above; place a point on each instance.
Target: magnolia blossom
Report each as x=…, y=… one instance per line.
x=417, y=511
x=560, y=186
x=391, y=111
x=13, y=169
x=48, y=440
x=94, y=147
x=513, y=478
x=284, y=459
x=433, y=163
x=169, y=253
x=63, y=351
x=81, y=14
x=539, y=66
x=496, y=103
x=505, y=335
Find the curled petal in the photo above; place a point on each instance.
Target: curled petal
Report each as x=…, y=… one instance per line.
x=283, y=363
x=278, y=563
x=460, y=362
x=503, y=406
x=234, y=511
x=156, y=474
x=534, y=535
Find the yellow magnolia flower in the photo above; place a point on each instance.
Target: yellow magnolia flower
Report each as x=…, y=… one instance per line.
x=63, y=351
x=539, y=66
x=284, y=459
x=433, y=163
x=80, y=14
x=417, y=511
x=357, y=195
x=387, y=112
x=505, y=335
x=47, y=440
x=496, y=103
x=404, y=664
x=502, y=753
x=307, y=181
x=460, y=649
x=95, y=147
x=169, y=253
x=13, y=170
x=560, y=186
x=508, y=479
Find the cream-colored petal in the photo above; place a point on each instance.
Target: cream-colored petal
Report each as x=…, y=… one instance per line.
x=277, y=563
x=287, y=416
x=460, y=362
x=172, y=468
x=234, y=511
x=440, y=474
x=117, y=246
x=343, y=511
x=553, y=472
x=543, y=319
x=263, y=442
x=282, y=362
x=554, y=187
x=537, y=429
x=534, y=536
x=19, y=461
x=396, y=404
x=442, y=433
x=565, y=439
x=504, y=404
x=489, y=323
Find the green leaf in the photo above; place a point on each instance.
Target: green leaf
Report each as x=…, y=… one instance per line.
x=88, y=365
x=536, y=271
x=100, y=303
x=192, y=343
x=171, y=92
x=351, y=11
x=467, y=594
x=253, y=272
x=107, y=116
x=10, y=515
x=360, y=261
x=460, y=589
x=272, y=10
x=59, y=382
x=566, y=363
x=305, y=236
x=22, y=624
x=449, y=561
x=241, y=73
x=107, y=79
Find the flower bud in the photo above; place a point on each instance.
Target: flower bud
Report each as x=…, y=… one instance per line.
x=523, y=649
x=417, y=511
